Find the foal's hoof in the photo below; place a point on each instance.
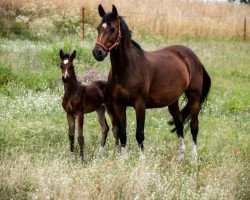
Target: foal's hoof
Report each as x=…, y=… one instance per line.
x=124, y=153
x=180, y=157
x=101, y=150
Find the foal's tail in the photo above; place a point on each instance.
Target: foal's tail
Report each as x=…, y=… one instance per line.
x=185, y=112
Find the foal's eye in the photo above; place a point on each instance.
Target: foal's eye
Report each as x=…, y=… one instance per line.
x=112, y=30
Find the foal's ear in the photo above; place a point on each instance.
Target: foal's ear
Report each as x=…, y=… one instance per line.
x=73, y=55
x=61, y=54
x=114, y=11
x=101, y=10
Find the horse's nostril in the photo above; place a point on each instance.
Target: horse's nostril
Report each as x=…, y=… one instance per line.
x=99, y=52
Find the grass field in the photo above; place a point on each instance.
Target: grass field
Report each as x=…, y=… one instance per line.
x=35, y=162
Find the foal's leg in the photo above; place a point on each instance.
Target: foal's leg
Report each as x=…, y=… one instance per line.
x=176, y=114
x=120, y=115
x=194, y=104
x=104, y=125
x=111, y=114
x=140, y=122
x=80, y=138
x=71, y=123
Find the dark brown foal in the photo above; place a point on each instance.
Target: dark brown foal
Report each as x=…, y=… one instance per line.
x=80, y=99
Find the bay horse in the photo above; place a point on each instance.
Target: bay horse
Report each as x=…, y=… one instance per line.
x=80, y=99
x=155, y=79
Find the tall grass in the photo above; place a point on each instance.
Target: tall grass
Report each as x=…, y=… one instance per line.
x=34, y=150
x=169, y=18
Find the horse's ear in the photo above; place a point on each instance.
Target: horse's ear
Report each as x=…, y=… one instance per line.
x=73, y=55
x=101, y=10
x=114, y=11
x=61, y=54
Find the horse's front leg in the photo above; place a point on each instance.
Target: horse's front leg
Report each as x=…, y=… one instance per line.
x=120, y=116
x=80, y=138
x=71, y=123
x=140, y=122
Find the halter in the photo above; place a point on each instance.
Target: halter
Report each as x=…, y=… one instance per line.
x=108, y=49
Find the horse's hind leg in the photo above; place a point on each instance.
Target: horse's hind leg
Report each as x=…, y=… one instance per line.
x=104, y=125
x=140, y=112
x=194, y=105
x=176, y=114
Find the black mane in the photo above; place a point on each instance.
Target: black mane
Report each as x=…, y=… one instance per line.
x=125, y=32
x=66, y=55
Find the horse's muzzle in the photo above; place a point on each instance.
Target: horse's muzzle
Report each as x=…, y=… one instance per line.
x=99, y=54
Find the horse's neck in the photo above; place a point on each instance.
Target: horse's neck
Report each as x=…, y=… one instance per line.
x=121, y=58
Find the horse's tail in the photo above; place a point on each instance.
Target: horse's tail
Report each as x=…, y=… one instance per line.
x=185, y=112
x=205, y=87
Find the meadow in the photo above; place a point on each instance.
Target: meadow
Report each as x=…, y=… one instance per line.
x=35, y=162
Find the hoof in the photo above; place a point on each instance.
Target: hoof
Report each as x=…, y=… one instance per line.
x=142, y=156
x=181, y=157
x=124, y=153
x=101, y=150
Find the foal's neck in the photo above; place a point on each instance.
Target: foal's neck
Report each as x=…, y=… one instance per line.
x=70, y=87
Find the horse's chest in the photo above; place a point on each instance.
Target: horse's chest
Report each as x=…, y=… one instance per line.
x=121, y=94
x=71, y=106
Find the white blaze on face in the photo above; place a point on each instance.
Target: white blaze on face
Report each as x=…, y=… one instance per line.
x=65, y=61
x=104, y=25
x=66, y=73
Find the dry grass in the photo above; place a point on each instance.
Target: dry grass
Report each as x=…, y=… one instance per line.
x=169, y=18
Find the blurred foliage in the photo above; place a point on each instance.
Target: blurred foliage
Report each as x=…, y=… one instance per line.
x=39, y=23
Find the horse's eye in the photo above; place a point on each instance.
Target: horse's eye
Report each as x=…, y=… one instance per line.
x=112, y=30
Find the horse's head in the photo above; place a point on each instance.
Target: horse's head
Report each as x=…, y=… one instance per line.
x=67, y=66
x=109, y=33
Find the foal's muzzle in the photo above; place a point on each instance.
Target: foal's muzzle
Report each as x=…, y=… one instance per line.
x=65, y=79
x=99, y=53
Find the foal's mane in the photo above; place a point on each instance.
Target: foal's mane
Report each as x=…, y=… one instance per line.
x=66, y=55
x=125, y=32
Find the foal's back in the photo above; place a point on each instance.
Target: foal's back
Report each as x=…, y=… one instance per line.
x=95, y=95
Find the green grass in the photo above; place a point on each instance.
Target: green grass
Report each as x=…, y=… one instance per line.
x=35, y=158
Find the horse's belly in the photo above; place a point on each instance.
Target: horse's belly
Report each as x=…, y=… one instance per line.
x=163, y=98
x=160, y=102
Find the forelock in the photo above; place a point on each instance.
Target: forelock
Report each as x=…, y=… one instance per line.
x=108, y=18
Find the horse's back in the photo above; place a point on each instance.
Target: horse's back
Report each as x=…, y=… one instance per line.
x=172, y=70
x=193, y=65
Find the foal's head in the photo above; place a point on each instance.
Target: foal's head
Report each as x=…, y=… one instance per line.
x=109, y=33
x=67, y=67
